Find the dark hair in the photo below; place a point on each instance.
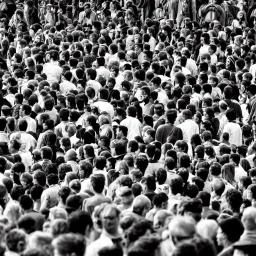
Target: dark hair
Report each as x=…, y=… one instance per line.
x=26, y=202
x=150, y=182
x=79, y=221
x=234, y=199
x=98, y=182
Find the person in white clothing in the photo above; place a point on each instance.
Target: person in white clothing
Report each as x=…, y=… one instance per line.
x=25, y=112
x=132, y=123
x=91, y=75
x=101, y=69
x=189, y=128
x=233, y=129
x=66, y=86
x=103, y=105
x=239, y=170
x=52, y=69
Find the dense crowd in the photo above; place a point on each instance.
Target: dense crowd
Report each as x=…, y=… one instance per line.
x=127, y=128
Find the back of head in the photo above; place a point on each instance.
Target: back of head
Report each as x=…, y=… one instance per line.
x=140, y=204
x=78, y=222
x=69, y=244
x=249, y=219
x=182, y=226
x=232, y=228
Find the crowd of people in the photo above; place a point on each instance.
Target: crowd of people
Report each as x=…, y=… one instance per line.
x=127, y=128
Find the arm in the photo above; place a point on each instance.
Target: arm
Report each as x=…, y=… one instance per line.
x=44, y=200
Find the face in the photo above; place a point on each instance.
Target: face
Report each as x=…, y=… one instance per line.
x=110, y=221
x=227, y=63
x=120, y=20
x=21, y=112
x=249, y=195
x=112, y=73
x=80, y=88
x=137, y=49
x=118, y=134
x=23, y=182
x=180, y=45
x=144, y=95
x=237, y=41
x=178, y=61
x=157, y=223
x=44, y=127
x=81, y=173
x=220, y=237
x=147, y=138
x=253, y=178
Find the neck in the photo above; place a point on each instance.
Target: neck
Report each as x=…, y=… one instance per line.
x=227, y=244
x=146, y=100
x=28, y=211
x=98, y=194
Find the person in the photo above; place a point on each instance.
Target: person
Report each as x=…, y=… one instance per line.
x=232, y=128
x=169, y=130
x=16, y=242
x=132, y=123
x=114, y=113
x=110, y=230
x=188, y=127
x=227, y=235
x=98, y=185
x=69, y=244
x=180, y=229
x=248, y=223
x=26, y=204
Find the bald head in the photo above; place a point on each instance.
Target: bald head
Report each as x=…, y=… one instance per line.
x=141, y=205
x=162, y=218
x=249, y=219
x=104, y=32
x=181, y=226
x=218, y=186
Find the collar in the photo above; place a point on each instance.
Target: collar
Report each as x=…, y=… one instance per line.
x=102, y=100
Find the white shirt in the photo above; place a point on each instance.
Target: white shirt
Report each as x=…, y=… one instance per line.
x=186, y=71
x=103, y=105
x=152, y=43
x=66, y=87
x=134, y=127
x=191, y=66
x=11, y=98
x=26, y=140
x=31, y=124
x=253, y=71
x=189, y=128
x=119, y=80
x=102, y=71
x=162, y=96
x=95, y=85
x=204, y=49
x=53, y=72
x=250, y=160
x=223, y=122
x=27, y=159
x=214, y=59
x=239, y=172
x=235, y=133
x=103, y=241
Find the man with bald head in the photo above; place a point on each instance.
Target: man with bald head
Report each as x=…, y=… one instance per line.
x=181, y=228
x=141, y=205
x=249, y=223
x=218, y=186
